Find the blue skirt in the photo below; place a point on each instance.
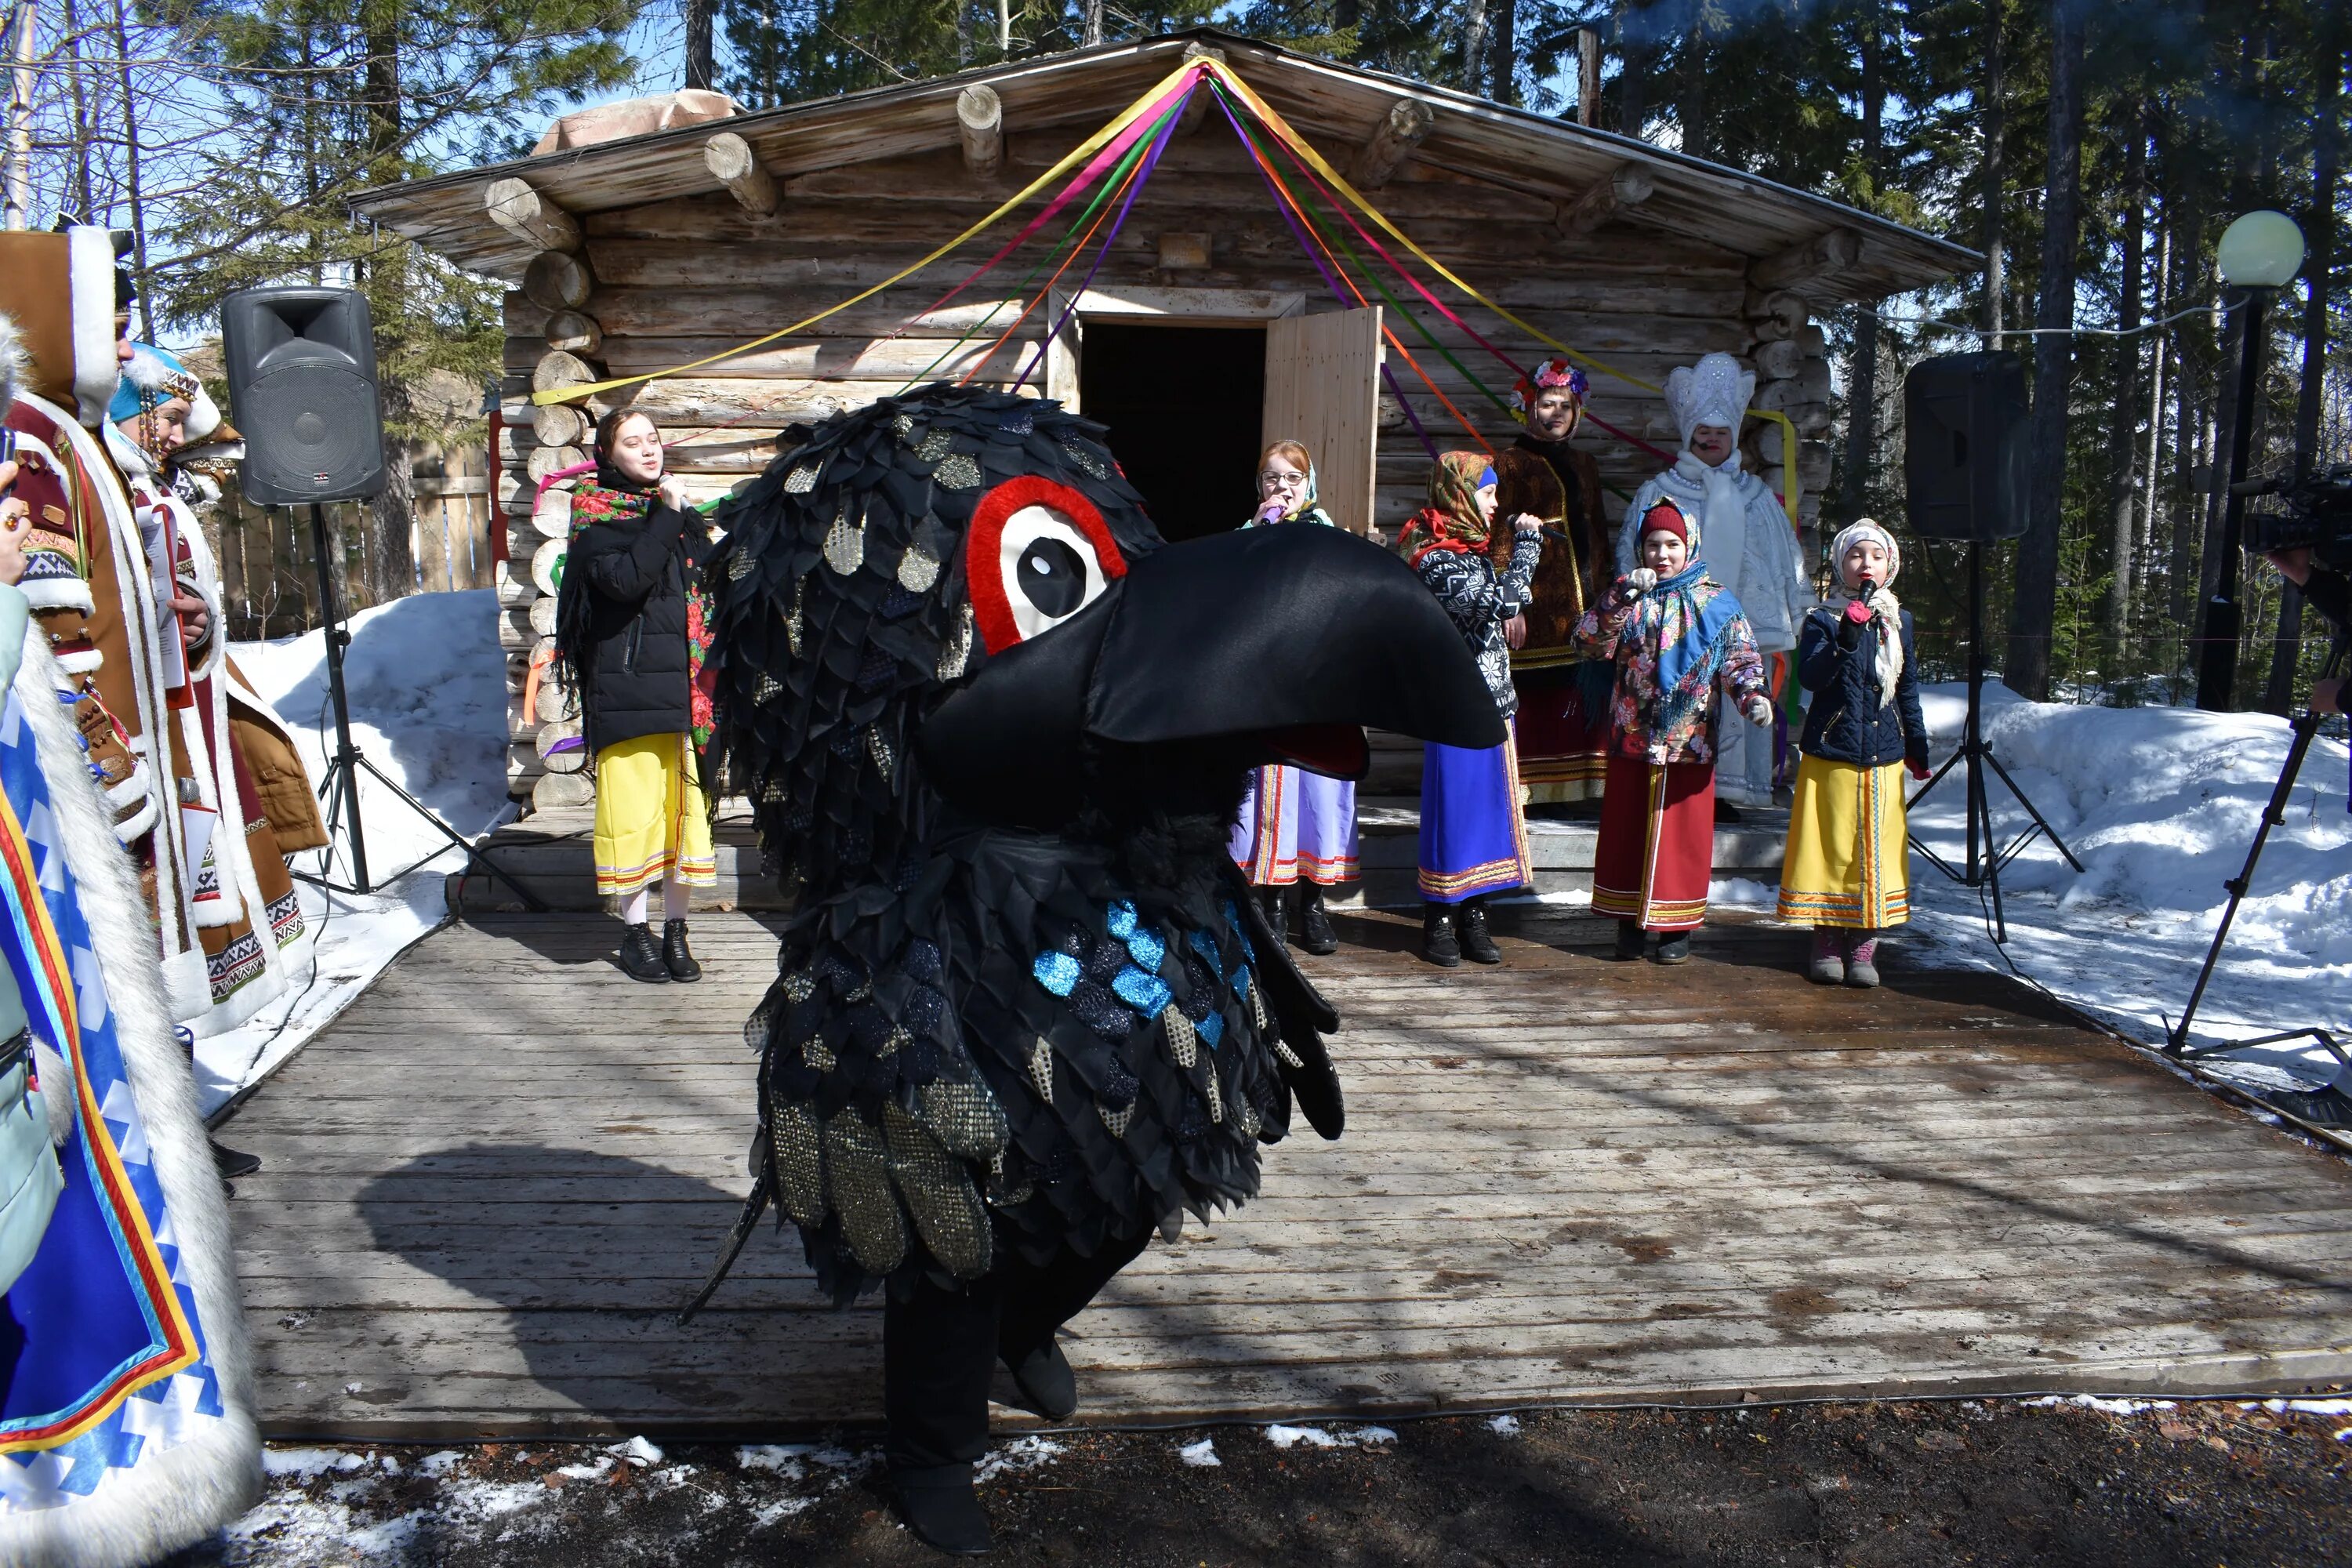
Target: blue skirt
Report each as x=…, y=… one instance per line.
x=1474, y=839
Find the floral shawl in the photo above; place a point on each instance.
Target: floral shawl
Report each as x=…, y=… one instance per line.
x=1451, y=522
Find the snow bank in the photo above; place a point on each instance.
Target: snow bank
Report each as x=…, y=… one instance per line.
x=427, y=690
x=2160, y=804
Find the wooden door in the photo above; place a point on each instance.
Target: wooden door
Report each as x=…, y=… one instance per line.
x=1323, y=388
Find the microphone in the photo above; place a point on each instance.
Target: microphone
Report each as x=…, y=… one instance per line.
x=1270, y=510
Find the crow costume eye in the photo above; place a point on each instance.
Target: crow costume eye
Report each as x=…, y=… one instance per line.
x=1038, y=552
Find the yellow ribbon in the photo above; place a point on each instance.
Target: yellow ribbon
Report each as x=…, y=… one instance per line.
x=1314, y=160
x=1085, y=149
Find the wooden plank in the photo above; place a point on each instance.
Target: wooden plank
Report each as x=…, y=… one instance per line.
x=1322, y=388
x=1939, y=1187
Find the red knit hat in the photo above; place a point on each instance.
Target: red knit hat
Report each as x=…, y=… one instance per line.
x=1666, y=518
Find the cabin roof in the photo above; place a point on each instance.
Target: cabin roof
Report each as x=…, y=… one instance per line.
x=1336, y=107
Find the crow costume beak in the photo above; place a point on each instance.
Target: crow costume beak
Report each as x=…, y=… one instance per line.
x=1272, y=645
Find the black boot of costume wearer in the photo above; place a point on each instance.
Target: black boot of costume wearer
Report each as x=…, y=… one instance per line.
x=1674, y=947
x=1437, y=944
x=677, y=957
x=1631, y=940
x=1476, y=945
x=640, y=959
x=1315, y=934
x=1045, y=1381
x=233, y=1162
x=941, y=1507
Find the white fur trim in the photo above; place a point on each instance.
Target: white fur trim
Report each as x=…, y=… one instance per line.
x=184, y=1493
x=89, y=273
x=60, y=594
x=203, y=417
x=12, y=362
x=81, y=663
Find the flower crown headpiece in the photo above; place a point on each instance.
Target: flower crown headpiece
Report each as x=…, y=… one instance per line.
x=1550, y=373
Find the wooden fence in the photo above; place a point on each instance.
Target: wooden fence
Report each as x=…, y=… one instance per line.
x=269, y=568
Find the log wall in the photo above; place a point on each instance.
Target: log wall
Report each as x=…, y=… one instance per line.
x=675, y=280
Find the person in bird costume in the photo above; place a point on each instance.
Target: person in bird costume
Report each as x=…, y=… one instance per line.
x=1562, y=730
x=1681, y=642
x=1846, y=870
x=126, y=1397
x=1297, y=829
x=1752, y=549
x=995, y=734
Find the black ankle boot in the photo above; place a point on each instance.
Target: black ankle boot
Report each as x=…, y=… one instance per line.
x=1437, y=944
x=640, y=959
x=1047, y=1383
x=232, y=1162
x=1476, y=945
x=676, y=956
x=941, y=1507
x=1315, y=934
x=1630, y=938
x=1277, y=911
x=1674, y=947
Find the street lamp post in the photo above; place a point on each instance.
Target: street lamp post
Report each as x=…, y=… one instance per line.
x=2260, y=253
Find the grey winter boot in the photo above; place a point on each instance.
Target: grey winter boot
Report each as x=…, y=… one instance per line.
x=1829, y=956
x=1861, y=960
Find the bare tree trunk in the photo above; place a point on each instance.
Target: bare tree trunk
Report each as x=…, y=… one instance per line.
x=1091, y=22
x=1862, y=391
x=85, y=202
x=2032, y=611
x=697, y=44
x=2123, y=505
x=2320, y=237
x=1473, y=45
x=1634, y=69
x=1994, y=117
x=1503, y=52
x=1690, y=97
x=132, y=182
x=2144, y=538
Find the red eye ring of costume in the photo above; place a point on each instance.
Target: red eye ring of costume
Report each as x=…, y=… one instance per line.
x=992, y=604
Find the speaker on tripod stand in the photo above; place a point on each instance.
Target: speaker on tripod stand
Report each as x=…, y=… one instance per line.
x=1964, y=457
x=301, y=376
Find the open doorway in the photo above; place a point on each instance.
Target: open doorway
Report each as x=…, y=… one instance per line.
x=1182, y=404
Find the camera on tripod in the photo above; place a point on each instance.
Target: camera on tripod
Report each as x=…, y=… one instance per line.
x=2316, y=516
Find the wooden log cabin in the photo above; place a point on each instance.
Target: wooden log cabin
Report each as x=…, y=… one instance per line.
x=643, y=236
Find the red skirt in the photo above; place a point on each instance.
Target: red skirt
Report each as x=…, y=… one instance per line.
x=1657, y=844
x=1563, y=751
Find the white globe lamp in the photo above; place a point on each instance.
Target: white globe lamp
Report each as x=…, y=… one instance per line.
x=2261, y=250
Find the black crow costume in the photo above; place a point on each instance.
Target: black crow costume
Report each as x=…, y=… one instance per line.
x=996, y=732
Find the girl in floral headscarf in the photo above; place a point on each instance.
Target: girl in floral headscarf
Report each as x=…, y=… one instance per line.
x=1679, y=638
x=1473, y=840
x=1296, y=830
x=1845, y=870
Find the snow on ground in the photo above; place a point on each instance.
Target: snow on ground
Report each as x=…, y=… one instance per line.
x=2161, y=805
x=427, y=690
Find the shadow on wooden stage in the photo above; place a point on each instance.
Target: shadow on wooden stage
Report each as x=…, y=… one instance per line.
x=1567, y=1180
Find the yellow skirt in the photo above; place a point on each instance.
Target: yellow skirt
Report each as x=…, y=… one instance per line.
x=651, y=822
x=1847, y=863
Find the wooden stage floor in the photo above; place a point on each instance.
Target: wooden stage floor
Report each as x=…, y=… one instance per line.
x=490, y=1183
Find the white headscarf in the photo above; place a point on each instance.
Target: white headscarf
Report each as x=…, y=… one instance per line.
x=1882, y=598
x=1713, y=392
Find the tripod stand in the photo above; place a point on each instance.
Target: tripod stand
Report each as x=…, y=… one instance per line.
x=2306, y=729
x=1984, y=859
x=341, y=788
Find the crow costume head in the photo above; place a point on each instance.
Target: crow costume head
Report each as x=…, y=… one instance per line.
x=955, y=599
x=994, y=730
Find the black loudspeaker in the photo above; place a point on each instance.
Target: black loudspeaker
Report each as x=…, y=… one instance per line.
x=301, y=384
x=1966, y=447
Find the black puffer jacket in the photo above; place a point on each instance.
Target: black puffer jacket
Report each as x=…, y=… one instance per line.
x=1846, y=722
x=626, y=624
